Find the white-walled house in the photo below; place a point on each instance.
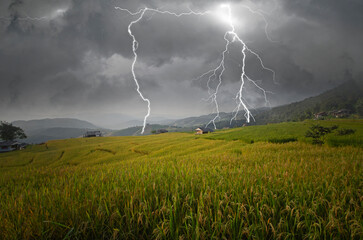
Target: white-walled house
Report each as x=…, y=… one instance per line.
x=202, y=130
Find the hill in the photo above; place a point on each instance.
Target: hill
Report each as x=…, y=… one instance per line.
x=184, y=186
x=43, y=130
x=53, y=123
x=201, y=120
x=346, y=96
x=43, y=135
x=136, y=131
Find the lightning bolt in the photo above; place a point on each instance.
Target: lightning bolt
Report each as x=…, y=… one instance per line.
x=221, y=68
x=27, y=18
x=230, y=37
x=262, y=15
x=53, y=15
x=212, y=74
x=135, y=45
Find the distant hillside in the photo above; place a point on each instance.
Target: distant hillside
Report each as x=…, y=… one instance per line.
x=136, y=131
x=345, y=96
x=43, y=130
x=54, y=123
x=202, y=120
x=43, y=135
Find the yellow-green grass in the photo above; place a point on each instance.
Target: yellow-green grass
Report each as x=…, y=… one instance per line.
x=182, y=186
x=294, y=131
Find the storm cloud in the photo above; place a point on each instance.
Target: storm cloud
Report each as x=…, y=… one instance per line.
x=66, y=58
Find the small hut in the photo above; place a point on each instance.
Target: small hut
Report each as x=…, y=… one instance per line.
x=161, y=131
x=342, y=113
x=202, y=130
x=320, y=115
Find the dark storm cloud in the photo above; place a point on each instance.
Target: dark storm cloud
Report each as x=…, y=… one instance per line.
x=345, y=14
x=78, y=56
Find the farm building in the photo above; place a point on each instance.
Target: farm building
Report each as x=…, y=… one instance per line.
x=161, y=131
x=7, y=146
x=202, y=130
x=320, y=115
x=92, y=134
x=342, y=113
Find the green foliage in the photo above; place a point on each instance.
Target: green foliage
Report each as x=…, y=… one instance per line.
x=261, y=132
x=346, y=96
x=8, y=132
x=345, y=131
x=183, y=186
x=282, y=140
x=347, y=140
x=292, y=130
x=359, y=107
x=318, y=132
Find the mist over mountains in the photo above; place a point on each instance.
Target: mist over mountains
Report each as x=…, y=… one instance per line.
x=42, y=130
x=52, y=123
x=346, y=96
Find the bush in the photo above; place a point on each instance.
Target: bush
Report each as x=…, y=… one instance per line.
x=318, y=133
x=345, y=131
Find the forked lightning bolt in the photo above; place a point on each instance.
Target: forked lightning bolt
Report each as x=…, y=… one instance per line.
x=50, y=16
x=135, y=45
x=241, y=103
x=27, y=18
x=217, y=73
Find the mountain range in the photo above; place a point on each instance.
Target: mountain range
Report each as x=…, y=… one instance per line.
x=42, y=130
x=348, y=96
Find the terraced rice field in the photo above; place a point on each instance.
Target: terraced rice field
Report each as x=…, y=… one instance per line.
x=231, y=184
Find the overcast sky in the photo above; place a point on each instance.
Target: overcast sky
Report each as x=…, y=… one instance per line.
x=64, y=58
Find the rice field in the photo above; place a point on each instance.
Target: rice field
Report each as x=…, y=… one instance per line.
x=231, y=184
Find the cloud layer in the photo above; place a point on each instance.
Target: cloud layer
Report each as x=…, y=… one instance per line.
x=65, y=58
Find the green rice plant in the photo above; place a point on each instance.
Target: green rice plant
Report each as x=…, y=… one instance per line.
x=282, y=140
x=318, y=133
x=177, y=186
x=345, y=131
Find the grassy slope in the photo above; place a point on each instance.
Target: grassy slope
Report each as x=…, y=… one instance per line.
x=294, y=130
x=345, y=95
x=180, y=184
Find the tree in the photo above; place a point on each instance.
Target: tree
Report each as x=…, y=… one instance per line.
x=318, y=133
x=359, y=107
x=8, y=132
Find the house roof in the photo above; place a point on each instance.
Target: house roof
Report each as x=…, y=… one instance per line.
x=204, y=129
x=321, y=113
x=343, y=110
